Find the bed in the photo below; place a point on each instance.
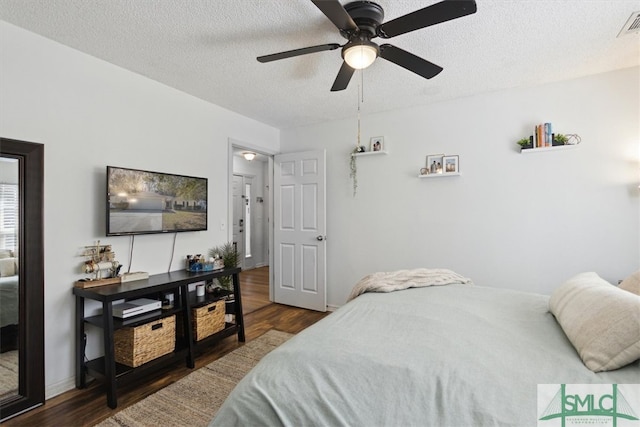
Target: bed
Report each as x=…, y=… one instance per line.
x=9, y=295
x=8, y=300
x=454, y=355
x=8, y=288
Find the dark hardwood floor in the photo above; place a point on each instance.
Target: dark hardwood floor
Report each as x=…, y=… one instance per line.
x=89, y=406
x=255, y=289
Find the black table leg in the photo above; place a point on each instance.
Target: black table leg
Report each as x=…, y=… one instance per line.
x=186, y=326
x=109, y=356
x=81, y=374
x=238, y=308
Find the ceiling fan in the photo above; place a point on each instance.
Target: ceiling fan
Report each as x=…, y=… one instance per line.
x=360, y=21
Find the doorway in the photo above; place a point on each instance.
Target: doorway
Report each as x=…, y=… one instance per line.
x=249, y=201
x=297, y=268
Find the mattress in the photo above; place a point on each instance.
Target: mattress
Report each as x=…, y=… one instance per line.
x=455, y=355
x=9, y=300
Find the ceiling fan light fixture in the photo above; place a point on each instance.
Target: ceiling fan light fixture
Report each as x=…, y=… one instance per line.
x=360, y=54
x=249, y=155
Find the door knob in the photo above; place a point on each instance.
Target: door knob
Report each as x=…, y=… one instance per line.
x=320, y=238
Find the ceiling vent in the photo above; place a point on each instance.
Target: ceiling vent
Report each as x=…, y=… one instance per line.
x=631, y=26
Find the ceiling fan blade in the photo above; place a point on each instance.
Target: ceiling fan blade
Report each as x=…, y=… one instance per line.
x=343, y=78
x=440, y=12
x=407, y=60
x=297, y=52
x=336, y=14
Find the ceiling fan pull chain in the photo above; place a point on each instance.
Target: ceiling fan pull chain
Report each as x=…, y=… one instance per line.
x=358, y=115
x=362, y=84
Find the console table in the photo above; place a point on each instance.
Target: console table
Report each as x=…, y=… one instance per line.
x=105, y=368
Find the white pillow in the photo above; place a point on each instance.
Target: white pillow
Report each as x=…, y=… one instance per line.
x=631, y=283
x=7, y=267
x=5, y=253
x=601, y=321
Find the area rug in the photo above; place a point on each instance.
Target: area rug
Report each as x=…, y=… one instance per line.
x=195, y=399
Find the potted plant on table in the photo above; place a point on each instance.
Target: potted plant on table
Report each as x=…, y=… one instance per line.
x=230, y=259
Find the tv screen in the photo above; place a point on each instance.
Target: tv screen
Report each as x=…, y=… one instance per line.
x=144, y=202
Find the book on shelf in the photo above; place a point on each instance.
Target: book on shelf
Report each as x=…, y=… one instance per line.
x=542, y=135
x=540, y=139
x=547, y=135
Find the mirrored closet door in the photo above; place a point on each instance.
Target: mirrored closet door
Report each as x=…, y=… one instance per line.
x=21, y=277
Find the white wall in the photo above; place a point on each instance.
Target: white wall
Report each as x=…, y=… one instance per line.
x=516, y=221
x=90, y=114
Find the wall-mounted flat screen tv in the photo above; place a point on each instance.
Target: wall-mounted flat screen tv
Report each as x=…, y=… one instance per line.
x=144, y=202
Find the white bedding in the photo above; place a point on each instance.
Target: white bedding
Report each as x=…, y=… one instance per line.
x=453, y=355
x=9, y=300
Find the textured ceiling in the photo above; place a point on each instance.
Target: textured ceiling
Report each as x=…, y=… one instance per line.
x=208, y=48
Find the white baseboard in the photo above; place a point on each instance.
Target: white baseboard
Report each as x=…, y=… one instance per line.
x=53, y=390
x=332, y=307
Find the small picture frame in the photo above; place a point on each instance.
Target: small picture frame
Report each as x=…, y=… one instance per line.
x=450, y=164
x=377, y=143
x=434, y=163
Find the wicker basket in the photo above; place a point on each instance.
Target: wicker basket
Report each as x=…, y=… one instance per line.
x=208, y=319
x=138, y=345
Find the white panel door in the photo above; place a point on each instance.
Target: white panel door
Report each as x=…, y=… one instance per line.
x=300, y=230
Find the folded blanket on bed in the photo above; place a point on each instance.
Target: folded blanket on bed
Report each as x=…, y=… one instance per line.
x=404, y=279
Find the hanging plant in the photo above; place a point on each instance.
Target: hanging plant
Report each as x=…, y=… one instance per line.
x=354, y=167
x=358, y=149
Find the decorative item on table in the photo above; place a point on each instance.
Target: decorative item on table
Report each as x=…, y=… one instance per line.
x=228, y=254
x=168, y=301
x=100, y=262
x=196, y=263
x=230, y=308
x=424, y=171
x=434, y=163
x=200, y=290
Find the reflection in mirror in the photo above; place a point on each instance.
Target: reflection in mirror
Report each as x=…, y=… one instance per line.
x=9, y=291
x=21, y=276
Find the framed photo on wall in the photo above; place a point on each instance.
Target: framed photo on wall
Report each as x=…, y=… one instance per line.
x=434, y=163
x=450, y=164
x=377, y=143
